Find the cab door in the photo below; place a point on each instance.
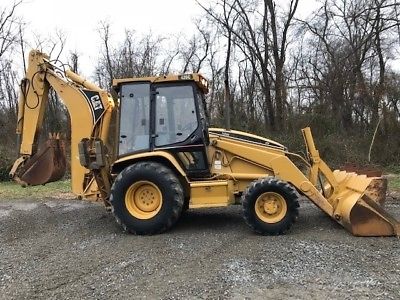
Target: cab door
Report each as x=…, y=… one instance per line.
x=178, y=126
x=134, y=121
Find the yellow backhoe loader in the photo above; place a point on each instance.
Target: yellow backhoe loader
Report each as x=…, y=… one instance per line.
x=168, y=160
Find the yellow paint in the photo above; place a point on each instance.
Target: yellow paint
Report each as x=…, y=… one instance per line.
x=149, y=155
x=246, y=134
x=200, y=81
x=270, y=207
x=209, y=205
x=211, y=193
x=41, y=76
x=143, y=200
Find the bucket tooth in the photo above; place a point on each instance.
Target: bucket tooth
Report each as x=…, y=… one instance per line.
x=340, y=175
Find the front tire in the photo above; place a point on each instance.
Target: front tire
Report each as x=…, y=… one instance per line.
x=270, y=206
x=147, y=198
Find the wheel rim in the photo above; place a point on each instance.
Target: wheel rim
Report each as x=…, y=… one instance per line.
x=270, y=207
x=143, y=200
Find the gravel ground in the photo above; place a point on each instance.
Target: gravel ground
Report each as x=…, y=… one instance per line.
x=69, y=249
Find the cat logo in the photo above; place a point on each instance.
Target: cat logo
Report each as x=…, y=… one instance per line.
x=96, y=102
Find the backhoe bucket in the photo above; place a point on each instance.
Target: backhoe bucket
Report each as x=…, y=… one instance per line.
x=356, y=209
x=47, y=165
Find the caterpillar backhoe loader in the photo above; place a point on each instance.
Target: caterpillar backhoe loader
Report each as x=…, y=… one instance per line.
x=168, y=160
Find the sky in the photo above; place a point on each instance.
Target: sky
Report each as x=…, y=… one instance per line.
x=79, y=20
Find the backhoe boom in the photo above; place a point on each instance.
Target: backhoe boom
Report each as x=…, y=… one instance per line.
x=89, y=108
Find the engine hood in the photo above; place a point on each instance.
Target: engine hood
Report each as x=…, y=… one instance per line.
x=236, y=134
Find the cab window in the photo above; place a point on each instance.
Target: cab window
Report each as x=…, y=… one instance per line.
x=134, y=118
x=175, y=116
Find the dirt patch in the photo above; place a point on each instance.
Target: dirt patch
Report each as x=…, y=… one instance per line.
x=72, y=249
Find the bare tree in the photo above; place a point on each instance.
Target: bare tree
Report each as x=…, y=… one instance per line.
x=133, y=57
x=9, y=25
x=105, y=37
x=261, y=34
x=226, y=19
x=352, y=43
x=10, y=35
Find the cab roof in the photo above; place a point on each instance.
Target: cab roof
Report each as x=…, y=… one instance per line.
x=201, y=82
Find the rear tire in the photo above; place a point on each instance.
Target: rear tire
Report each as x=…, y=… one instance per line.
x=147, y=198
x=270, y=206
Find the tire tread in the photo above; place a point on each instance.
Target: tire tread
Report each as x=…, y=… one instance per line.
x=251, y=194
x=172, y=182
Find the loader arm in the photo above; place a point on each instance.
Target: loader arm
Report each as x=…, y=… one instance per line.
x=89, y=108
x=340, y=194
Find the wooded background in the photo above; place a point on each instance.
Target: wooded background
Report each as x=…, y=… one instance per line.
x=271, y=72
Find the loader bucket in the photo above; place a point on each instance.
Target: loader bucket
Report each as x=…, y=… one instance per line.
x=47, y=165
x=353, y=200
x=357, y=211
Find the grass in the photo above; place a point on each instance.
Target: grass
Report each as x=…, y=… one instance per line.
x=394, y=182
x=393, y=174
x=11, y=190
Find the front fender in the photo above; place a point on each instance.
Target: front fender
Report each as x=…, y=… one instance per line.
x=162, y=156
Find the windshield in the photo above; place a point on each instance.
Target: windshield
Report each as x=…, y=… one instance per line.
x=135, y=118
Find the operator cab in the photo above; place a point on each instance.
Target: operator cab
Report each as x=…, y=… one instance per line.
x=165, y=113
